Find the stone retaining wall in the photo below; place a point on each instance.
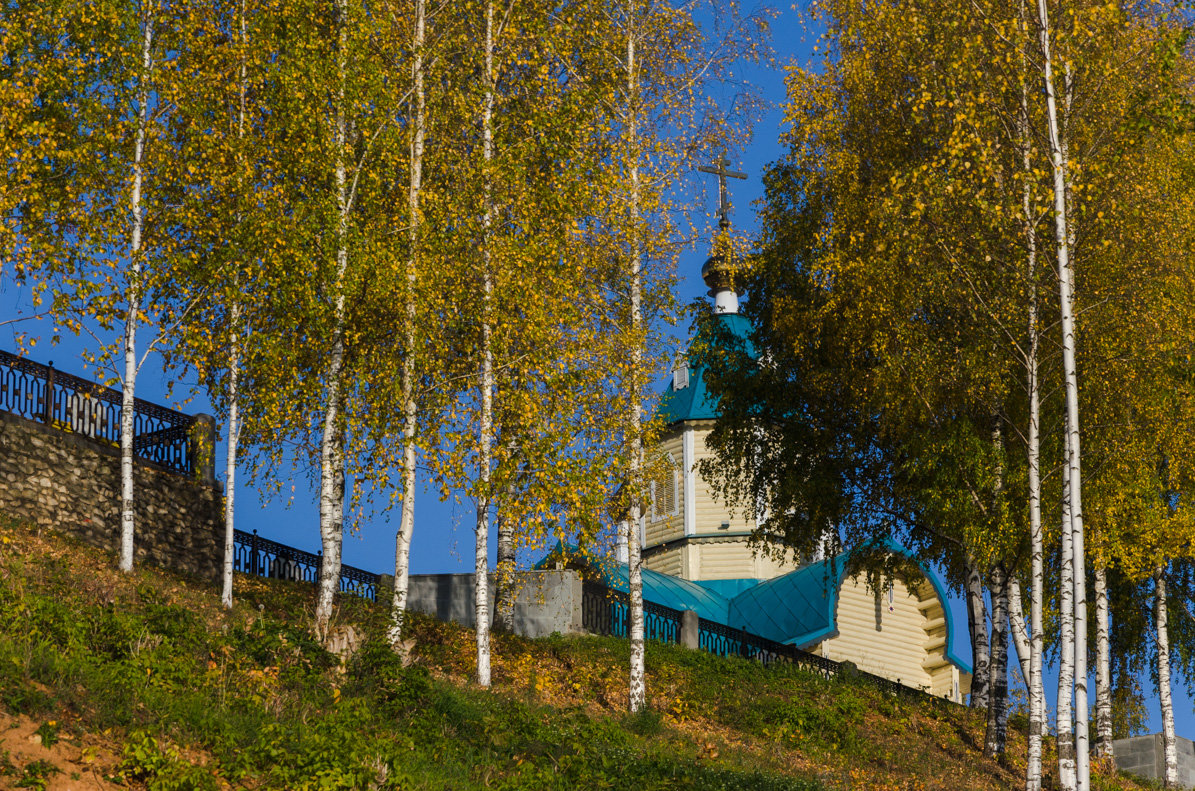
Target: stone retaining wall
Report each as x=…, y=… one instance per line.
x=71, y=483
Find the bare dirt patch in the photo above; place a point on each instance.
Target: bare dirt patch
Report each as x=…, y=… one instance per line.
x=41, y=754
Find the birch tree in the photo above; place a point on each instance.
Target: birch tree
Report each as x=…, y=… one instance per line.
x=1169, y=747
x=928, y=357
x=656, y=63
x=117, y=219
x=416, y=134
x=323, y=146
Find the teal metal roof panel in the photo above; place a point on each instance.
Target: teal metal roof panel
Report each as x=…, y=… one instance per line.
x=801, y=607
x=674, y=592
x=694, y=402
x=796, y=608
x=728, y=589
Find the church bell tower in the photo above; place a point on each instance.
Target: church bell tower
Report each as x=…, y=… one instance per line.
x=687, y=532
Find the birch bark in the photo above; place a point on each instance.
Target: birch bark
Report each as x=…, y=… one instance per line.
x=234, y=352
x=1018, y=629
x=1062, y=236
x=133, y=312
x=230, y=470
x=1066, y=652
x=1033, y=680
x=996, y=734
x=977, y=622
x=331, y=498
x=406, y=525
x=1103, y=668
x=481, y=601
x=637, y=682
x=504, y=595
x=1161, y=627
x=1082, y=709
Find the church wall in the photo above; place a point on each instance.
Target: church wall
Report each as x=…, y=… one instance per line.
x=666, y=563
x=767, y=566
x=724, y=561
x=657, y=531
x=712, y=512
x=888, y=642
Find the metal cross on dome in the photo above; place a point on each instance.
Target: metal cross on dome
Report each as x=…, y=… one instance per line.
x=719, y=170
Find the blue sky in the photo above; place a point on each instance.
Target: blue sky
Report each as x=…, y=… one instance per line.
x=443, y=538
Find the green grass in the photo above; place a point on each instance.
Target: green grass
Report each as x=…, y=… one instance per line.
x=267, y=707
x=193, y=697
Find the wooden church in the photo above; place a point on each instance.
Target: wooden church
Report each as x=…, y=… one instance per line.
x=696, y=556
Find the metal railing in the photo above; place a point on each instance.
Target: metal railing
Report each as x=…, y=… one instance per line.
x=172, y=440
x=605, y=611
x=262, y=557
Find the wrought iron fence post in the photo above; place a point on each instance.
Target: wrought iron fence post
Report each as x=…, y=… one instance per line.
x=254, y=561
x=47, y=414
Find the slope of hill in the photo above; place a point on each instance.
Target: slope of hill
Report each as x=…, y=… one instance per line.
x=144, y=681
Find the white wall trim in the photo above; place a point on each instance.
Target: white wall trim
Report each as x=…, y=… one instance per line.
x=690, y=481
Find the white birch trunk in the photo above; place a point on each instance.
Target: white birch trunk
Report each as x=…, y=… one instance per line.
x=996, y=734
x=638, y=681
x=132, y=314
x=1033, y=679
x=481, y=601
x=1018, y=629
x=977, y=622
x=1066, y=652
x=230, y=470
x=331, y=498
x=406, y=525
x=1103, y=668
x=1062, y=236
x=504, y=596
x=1164, y=694
x=234, y=356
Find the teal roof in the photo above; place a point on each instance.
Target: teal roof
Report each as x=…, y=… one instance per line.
x=801, y=607
x=728, y=589
x=798, y=608
x=694, y=402
x=670, y=591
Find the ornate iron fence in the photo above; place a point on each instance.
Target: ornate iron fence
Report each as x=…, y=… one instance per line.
x=175, y=441
x=604, y=611
x=727, y=641
x=607, y=611
x=262, y=557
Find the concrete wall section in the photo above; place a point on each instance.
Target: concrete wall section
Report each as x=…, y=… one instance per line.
x=1144, y=756
x=547, y=601
x=71, y=483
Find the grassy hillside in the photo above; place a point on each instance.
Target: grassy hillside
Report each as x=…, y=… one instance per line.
x=143, y=681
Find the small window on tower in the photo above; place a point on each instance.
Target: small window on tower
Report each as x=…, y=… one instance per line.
x=680, y=373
